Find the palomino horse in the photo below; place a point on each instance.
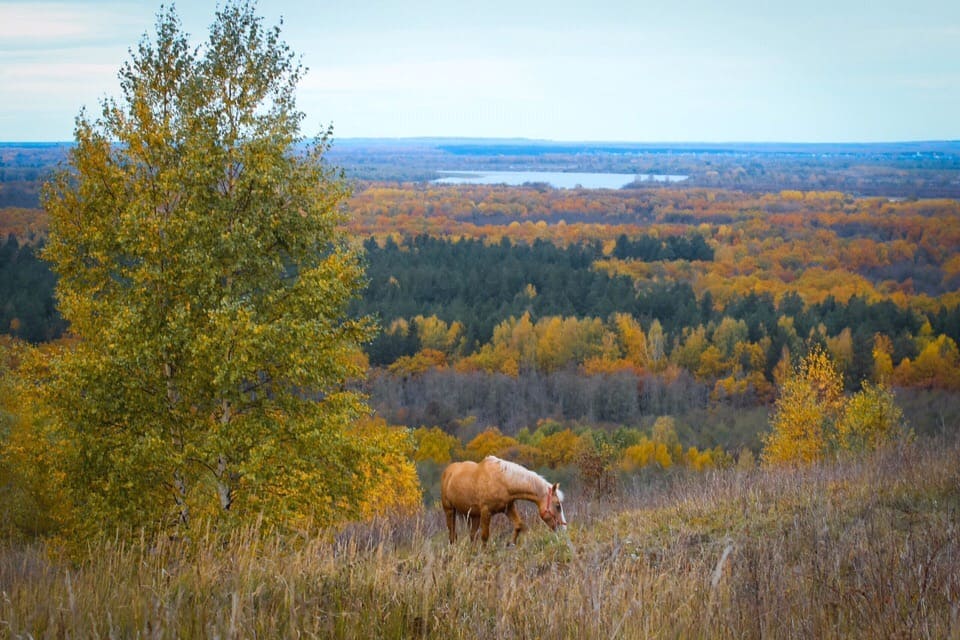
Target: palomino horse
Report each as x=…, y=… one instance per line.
x=494, y=486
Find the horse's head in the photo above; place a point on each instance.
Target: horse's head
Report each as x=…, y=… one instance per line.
x=551, y=509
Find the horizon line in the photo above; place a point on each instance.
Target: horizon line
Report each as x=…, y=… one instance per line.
x=554, y=141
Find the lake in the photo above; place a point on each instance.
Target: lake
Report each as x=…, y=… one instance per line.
x=557, y=179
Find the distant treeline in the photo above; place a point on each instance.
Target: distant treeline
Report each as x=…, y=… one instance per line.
x=908, y=169
x=887, y=150
x=23, y=168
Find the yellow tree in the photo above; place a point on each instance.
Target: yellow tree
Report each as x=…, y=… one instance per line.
x=561, y=448
x=937, y=365
x=490, y=442
x=712, y=364
x=646, y=452
x=664, y=432
x=691, y=349
x=657, y=346
x=633, y=342
x=392, y=482
x=882, y=358
x=729, y=334
x=435, y=445
x=699, y=460
x=553, y=343
x=420, y=362
x=436, y=334
x=204, y=268
x=804, y=414
x=512, y=348
x=870, y=419
x=841, y=349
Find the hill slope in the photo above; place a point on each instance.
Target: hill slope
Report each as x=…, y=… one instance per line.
x=856, y=549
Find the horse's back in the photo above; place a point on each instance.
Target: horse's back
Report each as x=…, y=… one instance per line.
x=466, y=486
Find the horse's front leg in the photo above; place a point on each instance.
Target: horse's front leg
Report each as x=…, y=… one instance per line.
x=518, y=525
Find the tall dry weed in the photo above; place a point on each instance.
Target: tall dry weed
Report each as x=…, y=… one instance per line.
x=860, y=548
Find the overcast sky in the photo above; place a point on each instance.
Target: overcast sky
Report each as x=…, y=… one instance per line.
x=630, y=70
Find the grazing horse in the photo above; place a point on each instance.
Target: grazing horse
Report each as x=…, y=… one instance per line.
x=480, y=490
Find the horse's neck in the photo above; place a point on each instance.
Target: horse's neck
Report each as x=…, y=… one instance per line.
x=525, y=484
x=531, y=490
x=537, y=491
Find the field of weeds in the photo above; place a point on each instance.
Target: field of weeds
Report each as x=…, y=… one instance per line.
x=859, y=548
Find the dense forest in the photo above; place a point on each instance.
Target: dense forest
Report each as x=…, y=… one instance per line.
x=481, y=285
x=504, y=306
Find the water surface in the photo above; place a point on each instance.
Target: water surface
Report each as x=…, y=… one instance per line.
x=556, y=179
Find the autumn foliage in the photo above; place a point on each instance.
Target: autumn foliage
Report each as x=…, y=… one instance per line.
x=391, y=483
x=812, y=416
x=594, y=452
x=219, y=365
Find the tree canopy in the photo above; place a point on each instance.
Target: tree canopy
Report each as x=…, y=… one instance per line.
x=202, y=265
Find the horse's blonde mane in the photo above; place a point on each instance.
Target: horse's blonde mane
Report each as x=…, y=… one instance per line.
x=520, y=474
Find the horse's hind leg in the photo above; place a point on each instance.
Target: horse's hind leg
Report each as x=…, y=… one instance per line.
x=518, y=525
x=451, y=523
x=474, y=525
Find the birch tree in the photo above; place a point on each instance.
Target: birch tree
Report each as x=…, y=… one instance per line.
x=205, y=274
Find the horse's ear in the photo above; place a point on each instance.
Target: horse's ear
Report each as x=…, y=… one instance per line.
x=555, y=492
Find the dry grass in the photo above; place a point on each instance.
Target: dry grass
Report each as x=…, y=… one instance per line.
x=860, y=549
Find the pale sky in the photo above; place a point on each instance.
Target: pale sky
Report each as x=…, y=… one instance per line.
x=587, y=70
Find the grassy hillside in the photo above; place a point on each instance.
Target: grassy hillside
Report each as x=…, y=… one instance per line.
x=864, y=548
